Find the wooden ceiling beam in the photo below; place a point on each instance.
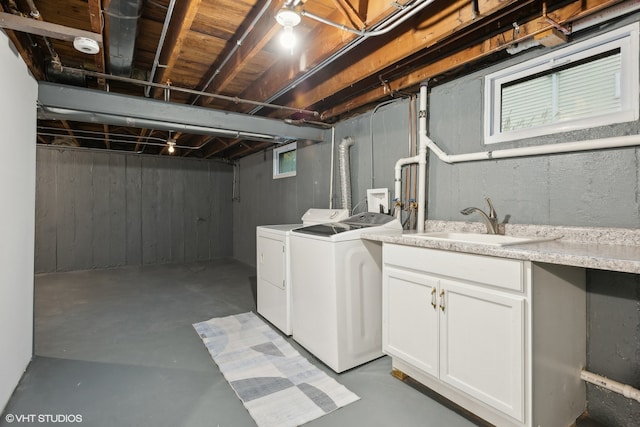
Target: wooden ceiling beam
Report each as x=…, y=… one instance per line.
x=445, y=21
x=199, y=142
x=246, y=150
x=471, y=54
x=45, y=29
x=26, y=52
x=290, y=67
x=221, y=146
x=107, y=141
x=183, y=15
x=221, y=75
x=69, y=129
x=95, y=18
x=143, y=134
x=437, y=26
x=350, y=13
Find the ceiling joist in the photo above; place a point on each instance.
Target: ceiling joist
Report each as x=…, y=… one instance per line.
x=470, y=54
x=45, y=29
x=183, y=15
x=231, y=62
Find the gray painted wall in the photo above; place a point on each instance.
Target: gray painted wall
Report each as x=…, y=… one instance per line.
x=613, y=335
x=264, y=200
x=99, y=209
x=600, y=188
x=582, y=189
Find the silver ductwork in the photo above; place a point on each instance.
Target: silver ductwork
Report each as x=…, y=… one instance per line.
x=345, y=172
x=121, y=18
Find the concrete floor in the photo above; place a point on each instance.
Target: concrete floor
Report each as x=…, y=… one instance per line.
x=117, y=347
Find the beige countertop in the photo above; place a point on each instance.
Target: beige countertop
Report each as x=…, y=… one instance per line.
x=614, y=249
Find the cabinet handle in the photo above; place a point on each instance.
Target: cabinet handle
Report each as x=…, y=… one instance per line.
x=433, y=298
x=442, y=300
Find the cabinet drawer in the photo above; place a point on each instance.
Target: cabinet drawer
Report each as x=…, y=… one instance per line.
x=498, y=272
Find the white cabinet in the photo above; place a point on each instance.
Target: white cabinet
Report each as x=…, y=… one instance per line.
x=481, y=339
x=462, y=324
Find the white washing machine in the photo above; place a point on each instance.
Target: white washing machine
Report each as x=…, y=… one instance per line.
x=337, y=292
x=272, y=265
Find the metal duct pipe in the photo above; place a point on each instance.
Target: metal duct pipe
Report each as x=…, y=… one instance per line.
x=345, y=172
x=333, y=144
x=122, y=23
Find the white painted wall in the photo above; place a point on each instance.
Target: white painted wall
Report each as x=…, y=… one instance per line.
x=18, y=94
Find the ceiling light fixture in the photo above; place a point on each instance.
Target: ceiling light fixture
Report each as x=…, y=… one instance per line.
x=288, y=18
x=171, y=144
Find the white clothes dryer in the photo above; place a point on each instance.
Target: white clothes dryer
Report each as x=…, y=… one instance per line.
x=273, y=266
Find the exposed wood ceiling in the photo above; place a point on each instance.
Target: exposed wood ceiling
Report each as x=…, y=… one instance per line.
x=231, y=48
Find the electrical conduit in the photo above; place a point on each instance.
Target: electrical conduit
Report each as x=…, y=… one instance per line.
x=163, y=35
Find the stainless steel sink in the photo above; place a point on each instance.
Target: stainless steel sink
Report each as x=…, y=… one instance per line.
x=480, y=239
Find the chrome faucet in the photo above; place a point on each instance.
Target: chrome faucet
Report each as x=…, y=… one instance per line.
x=491, y=220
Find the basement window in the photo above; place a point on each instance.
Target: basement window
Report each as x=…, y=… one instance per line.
x=588, y=84
x=284, y=161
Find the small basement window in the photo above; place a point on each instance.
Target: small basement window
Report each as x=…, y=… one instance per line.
x=284, y=161
x=588, y=84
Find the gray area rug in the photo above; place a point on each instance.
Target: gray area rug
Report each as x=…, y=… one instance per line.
x=276, y=384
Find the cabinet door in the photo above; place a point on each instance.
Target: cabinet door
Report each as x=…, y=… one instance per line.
x=482, y=345
x=409, y=318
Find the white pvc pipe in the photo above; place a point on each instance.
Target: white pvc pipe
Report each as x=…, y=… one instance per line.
x=562, y=147
x=615, y=386
x=422, y=157
x=426, y=143
x=398, y=174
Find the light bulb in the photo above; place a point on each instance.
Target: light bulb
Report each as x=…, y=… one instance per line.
x=172, y=146
x=288, y=38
